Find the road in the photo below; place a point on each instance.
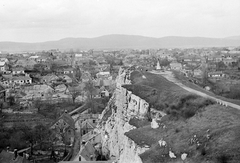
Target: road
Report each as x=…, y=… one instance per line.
x=169, y=76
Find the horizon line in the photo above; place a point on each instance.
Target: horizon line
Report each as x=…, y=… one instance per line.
x=117, y=35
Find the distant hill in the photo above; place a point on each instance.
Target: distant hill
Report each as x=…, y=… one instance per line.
x=120, y=41
x=233, y=37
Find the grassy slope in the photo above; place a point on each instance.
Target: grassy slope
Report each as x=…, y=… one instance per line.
x=155, y=89
x=223, y=123
x=184, y=80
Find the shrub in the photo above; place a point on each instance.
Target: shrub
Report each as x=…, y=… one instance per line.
x=188, y=113
x=223, y=158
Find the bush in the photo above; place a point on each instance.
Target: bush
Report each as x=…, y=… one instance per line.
x=188, y=106
x=222, y=158
x=188, y=113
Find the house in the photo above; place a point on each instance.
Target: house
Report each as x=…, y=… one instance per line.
x=78, y=56
x=229, y=61
x=35, y=57
x=68, y=71
x=43, y=92
x=49, y=78
x=18, y=70
x=197, y=73
x=41, y=59
x=101, y=82
x=64, y=128
x=3, y=66
x=12, y=157
x=4, y=60
x=87, y=152
x=28, y=64
x=62, y=88
x=66, y=78
x=87, y=123
x=22, y=80
x=94, y=137
x=103, y=75
x=176, y=66
x=217, y=74
x=86, y=76
x=9, y=80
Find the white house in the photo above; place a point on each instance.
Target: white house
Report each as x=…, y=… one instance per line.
x=176, y=66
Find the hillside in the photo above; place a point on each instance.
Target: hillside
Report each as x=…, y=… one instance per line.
x=233, y=37
x=205, y=131
x=187, y=115
x=118, y=42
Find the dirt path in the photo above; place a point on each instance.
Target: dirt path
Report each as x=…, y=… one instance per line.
x=169, y=76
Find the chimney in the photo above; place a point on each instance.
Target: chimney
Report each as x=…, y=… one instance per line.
x=7, y=149
x=66, y=111
x=15, y=154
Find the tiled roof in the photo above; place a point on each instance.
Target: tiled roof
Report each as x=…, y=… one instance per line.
x=68, y=119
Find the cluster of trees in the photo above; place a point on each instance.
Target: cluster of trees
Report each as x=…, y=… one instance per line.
x=22, y=136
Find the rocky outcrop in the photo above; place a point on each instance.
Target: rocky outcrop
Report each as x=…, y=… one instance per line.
x=123, y=106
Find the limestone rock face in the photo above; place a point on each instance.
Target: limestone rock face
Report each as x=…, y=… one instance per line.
x=124, y=105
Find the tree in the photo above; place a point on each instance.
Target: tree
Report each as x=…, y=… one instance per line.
x=37, y=104
x=78, y=73
x=75, y=92
x=221, y=65
x=164, y=62
x=55, y=67
x=41, y=133
x=89, y=87
x=39, y=67
x=11, y=100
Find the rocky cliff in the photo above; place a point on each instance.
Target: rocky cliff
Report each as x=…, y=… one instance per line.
x=123, y=108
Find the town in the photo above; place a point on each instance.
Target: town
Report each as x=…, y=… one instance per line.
x=52, y=101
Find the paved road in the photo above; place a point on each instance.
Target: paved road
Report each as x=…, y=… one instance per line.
x=169, y=76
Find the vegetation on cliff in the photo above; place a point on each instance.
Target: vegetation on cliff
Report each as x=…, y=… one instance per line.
x=207, y=132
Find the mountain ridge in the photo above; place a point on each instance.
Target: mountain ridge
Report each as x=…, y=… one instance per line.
x=118, y=41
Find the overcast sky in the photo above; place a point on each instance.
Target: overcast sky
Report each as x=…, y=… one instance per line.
x=44, y=20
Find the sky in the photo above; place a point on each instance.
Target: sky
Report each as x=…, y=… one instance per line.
x=46, y=20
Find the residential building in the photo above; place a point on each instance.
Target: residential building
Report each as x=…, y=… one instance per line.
x=28, y=64
x=9, y=80
x=66, y=78
x=3, y=66
x=68, y=71
x=217, y=74
x=18, y=70
x=41, y=59
x=43, y=92
x=88, y=123
x=35, y=57
x=87, y=152
x=64, y=129
x=103, y=75
x=176, y=66
x=50, y=78
x=4, y=60
x=229, y=61
x=94, y=137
